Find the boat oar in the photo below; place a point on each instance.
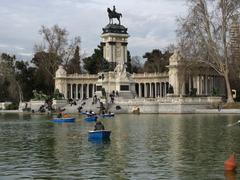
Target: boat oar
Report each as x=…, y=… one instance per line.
x=238, y=122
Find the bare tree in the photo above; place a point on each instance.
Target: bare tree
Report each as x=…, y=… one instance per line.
x=56, y=48
x=137, y=65
x=204, y=35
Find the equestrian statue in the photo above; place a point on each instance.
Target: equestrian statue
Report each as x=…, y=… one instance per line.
x=113, y=14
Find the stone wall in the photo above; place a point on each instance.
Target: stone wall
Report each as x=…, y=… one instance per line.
x=167, y=105
x=59, y=103
x=35, y=105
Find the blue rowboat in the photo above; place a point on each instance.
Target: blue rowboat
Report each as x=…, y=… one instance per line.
x=63, y=120
x=91, y=118
x=106, y=115
x=99, y=135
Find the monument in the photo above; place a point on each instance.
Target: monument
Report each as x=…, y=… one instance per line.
x=167, y=92
x=114, y=42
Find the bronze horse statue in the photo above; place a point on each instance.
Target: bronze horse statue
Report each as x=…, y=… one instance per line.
x=113, y=14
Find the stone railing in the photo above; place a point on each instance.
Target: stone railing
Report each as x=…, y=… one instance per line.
x=82, y=76
x=174, y=100
x=150, y=75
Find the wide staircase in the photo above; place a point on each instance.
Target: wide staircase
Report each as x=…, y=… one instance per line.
x=87, y=105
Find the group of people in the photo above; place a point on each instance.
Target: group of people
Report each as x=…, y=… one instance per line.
x=95, y=99
x=98, y=126
x=47, y=106
x=113, y=95
x=72, y=102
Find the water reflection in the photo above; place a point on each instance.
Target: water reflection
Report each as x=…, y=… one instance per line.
x=141, y=147
x=230, y=175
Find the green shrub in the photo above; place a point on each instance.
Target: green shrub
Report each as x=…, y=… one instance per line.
x=13, y=106
x=215, y=92
x=193, y=92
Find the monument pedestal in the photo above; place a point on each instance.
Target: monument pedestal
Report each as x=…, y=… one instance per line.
x=117, y=81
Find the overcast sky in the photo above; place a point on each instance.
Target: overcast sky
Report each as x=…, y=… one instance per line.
x=151, y=23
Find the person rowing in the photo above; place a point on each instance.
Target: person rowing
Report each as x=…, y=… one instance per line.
x=98, y=126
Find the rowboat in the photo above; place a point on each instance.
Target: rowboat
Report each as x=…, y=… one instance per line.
x=99, y=135
x=91, y=118
x=106, y=115
x=230, y=164
x=63, y=120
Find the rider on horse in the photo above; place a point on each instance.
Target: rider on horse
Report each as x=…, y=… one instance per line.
x=113, y=14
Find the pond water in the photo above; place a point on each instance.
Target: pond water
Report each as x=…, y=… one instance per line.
x=141, y=147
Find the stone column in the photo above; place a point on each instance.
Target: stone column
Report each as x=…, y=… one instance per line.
x=79, y=88
x=139, y=90
x=145, y=90
x=104, y=48
x=82, y=91
x=165, y=89
x=206, y=85
x=71, y=91
x=123, y=55
x=198, y=84
x=114, y=53
x=124, y=51
x=195, y=82
x=65, y=89
x=76, y=91
x=160, y=90
x=189, y=83
x=183, y=88
x=150, y=89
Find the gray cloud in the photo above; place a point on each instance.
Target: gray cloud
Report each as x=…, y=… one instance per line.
x=151, y=23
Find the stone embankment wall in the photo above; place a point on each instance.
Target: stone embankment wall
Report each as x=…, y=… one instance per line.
x=167, y=105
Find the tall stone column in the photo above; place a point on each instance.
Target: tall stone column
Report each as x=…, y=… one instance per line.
x=160, y=89
x=165, y=89
x=145, y=90
x=198, y=84
x=124, y=51
x=189, y=83
x=139, y=90
x=82, y=91
x=76, y=91
x=71, y=91
x=150, y=90
x=206, y=85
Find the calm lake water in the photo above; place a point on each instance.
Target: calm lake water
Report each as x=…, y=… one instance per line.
x=141, y=147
